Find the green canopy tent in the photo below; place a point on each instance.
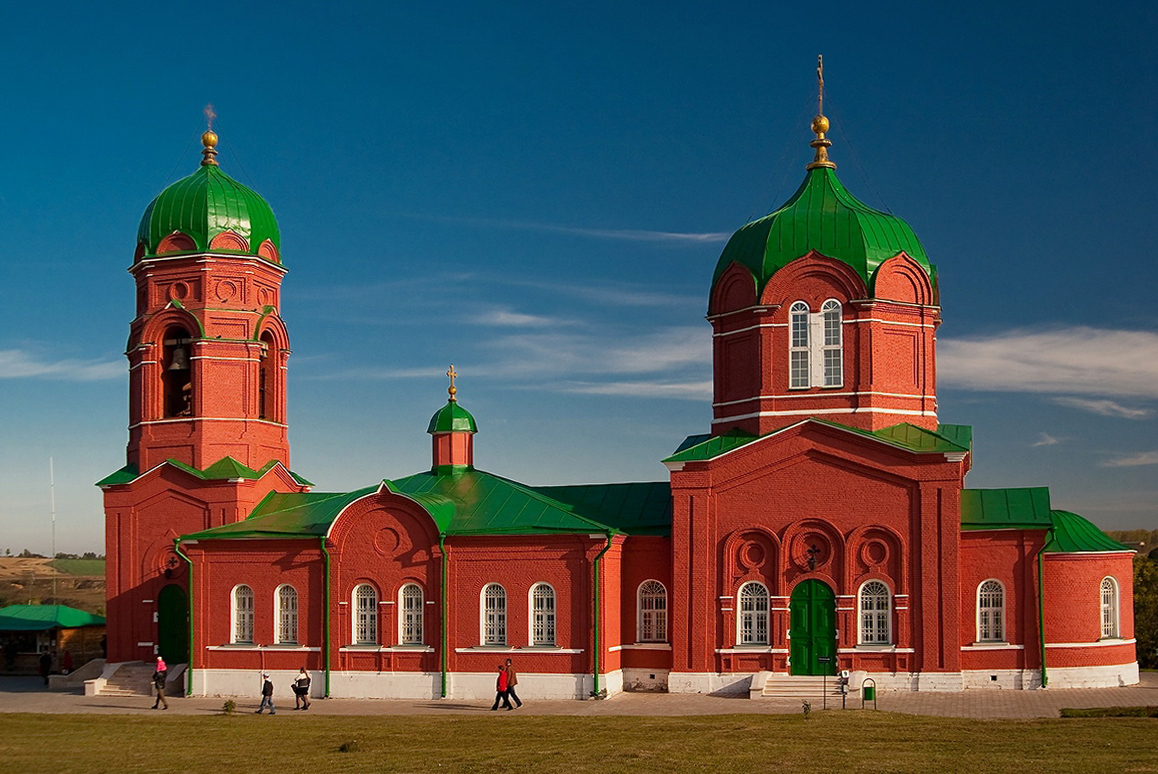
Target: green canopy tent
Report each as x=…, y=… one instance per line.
x=28, y=629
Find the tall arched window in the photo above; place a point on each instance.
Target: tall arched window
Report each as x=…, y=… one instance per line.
x=494, y=618
x=875, y=618
x=991, y=612
x=243, y=614
x=1109, y=608
x=833, y=347
x=410, y=622
x=287, y=614
x=652, y=621
x=798, y=349
x=753, y=620
x=542, y=615
x=365, y=615
x=177, y=372
x=267, y=378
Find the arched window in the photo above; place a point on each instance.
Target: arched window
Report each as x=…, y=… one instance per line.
x=365, y=615
x=798, y=350
x=410, y=622
x=875, y=621
x=652, y=620
x=753, y=614
x=991, y=612
x=267, y=379
x=177, y=372
x=833, y=347
x=542, y=615
x=287, y=614
x=494, y=617
x=243, y=614
x=1109, y=608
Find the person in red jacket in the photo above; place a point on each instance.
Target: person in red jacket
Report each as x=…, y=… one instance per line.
x=501, y=689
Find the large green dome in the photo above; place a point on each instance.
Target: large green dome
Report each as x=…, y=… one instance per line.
x=822, y=216
x=204, y=205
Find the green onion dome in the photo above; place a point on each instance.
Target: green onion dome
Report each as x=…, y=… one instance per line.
x=193, y=212
x=452, y=418
x=822, y=216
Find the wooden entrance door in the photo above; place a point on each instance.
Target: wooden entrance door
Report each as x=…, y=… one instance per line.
x=812, y=632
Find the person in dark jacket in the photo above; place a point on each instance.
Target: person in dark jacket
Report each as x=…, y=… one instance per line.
x=501, y=689
x=512, y=681
x=160, y=675
x=301, y=688
x=266, y=695
x=45, y=665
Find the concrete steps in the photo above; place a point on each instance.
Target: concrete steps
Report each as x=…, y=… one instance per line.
x=771, y=685
x=129, y=680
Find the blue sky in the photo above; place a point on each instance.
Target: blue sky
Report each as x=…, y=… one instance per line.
x=539, y=195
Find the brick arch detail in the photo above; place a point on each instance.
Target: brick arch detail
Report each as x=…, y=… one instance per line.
x=229, y=240
x=896, y=565
x=177, y=242
x=792, y=558
x=845, y=284
x=766, y=571
x=268, y=250
x=735, y=290
x=900, y=278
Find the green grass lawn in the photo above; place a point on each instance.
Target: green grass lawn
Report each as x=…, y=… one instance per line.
x=80, y=566
x=834, y=741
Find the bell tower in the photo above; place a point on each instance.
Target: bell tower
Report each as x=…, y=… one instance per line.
x=207, y=350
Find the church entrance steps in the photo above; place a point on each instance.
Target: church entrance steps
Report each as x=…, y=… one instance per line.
x=130, y=679
x=770, y=685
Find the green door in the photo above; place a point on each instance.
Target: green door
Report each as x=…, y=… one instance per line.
x=173, y=624
x=813, y=629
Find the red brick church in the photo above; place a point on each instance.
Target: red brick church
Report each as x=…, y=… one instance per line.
x=820, y=524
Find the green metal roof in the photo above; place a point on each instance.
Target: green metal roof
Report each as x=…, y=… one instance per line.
x=822, y=216
x=1026, y=508
x=452, y=418
x=287, y=515
x=224, y=469
x=205, y=204
x=635, y=508
x=1074, y=534
x=36, y=618
x=947, y=438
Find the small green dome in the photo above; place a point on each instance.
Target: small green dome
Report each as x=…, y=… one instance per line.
x=822, y=216
x=204, y=205
x=452, y=418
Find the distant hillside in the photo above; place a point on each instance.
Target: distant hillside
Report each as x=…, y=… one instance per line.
x=80, y=583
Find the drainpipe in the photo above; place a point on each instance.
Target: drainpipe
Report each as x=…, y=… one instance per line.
x=189, y=666
x=595, y=652
x=442, y=617
x=326, y=617
x=1041, y=605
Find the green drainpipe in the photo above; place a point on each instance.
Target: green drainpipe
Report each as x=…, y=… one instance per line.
x=189, y=666
x=443, y=594
x=595, y=651
x=326, y=617
x=1041, y=605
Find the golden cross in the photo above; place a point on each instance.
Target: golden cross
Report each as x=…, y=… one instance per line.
x=452, y=374
x=210, y=115
x=820, y=84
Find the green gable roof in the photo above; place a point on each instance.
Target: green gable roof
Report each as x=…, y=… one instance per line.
x=36, y=618
x=1074, y=534
x=224, y=469
x=1026, y=508
x=287, y=515
x=205, y=204
x=822, y=216
x=452, y=418
x=634, y=508
x=947, y=439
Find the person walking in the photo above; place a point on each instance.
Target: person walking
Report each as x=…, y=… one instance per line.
x=512, y=681
x=501, y=689
x=160, y=675
x=45, y=665
x=266, y=695
x=302, y=690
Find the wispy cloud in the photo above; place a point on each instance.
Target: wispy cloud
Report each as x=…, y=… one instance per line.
x=510, y=318
x=623, y=234
x=1132, y=460
x=18, y=364
x=1105, y=407
x=1066, y=362
x=691, y=390
x=1045, y=439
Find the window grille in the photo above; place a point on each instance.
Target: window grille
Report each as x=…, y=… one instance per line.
x=753, y=614
x=652, y=612
x=543, y=615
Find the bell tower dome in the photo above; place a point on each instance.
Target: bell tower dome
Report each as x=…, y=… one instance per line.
x=208, y=349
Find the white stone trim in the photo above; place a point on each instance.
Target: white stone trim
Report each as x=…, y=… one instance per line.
x=1106, y=643
x=815, y=412
x=509, y=649
x=740, y=649
x=641, y=646
x=856, y=394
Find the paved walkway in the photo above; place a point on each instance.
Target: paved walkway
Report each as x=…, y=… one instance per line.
x=26, y=694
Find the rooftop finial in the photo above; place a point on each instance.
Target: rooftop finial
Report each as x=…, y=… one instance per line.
x=452, y=390
x=820, y=123
x=209, y=139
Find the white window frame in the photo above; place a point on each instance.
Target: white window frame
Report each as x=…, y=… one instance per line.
x=874, y=620
x=651, y=612
x=493, y=615
x=799, y=338
x=411, y=615
x=1111, y=608
x=542, y=602
x=364, y=615
x=752, y=623
x=241, y=614
x=829, y=347
x=991, y=611
x=286, y=614
x=815, y=345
